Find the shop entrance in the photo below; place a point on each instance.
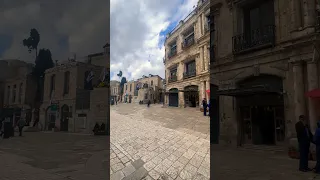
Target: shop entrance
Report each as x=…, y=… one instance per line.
x=191, y=96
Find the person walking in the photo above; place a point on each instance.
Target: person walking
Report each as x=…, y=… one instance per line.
x=149, y=103
x=304, y=136
x=21, y=123
x=204, y=105
x=317, y=143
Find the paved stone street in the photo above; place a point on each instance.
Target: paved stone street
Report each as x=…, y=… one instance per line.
x=159, y=143
x=54, y=156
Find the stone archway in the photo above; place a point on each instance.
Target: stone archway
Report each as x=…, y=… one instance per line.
x=64, y=121
x=191, y=95
x=174, y=97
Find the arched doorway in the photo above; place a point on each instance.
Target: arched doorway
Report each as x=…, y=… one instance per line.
x=214, y=115
x=64, y=121
x=174, y=97
x=261, y=106
x=191, y=96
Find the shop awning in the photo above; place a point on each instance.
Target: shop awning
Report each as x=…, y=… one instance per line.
x=313, y=93
x=247, y=91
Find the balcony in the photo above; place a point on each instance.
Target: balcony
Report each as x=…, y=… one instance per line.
x=188, y=42
x=172, y=53
x=256, y=39
x=172, y=79
x=189, y=74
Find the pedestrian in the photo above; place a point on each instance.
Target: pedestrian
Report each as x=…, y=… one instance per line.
x=149, y=102
x=6, y=128
x=204, y=105
x=317, y=142
x=209, y=108
x=21, y=123
x=304, y=136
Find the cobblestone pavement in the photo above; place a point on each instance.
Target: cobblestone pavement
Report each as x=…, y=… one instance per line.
x=158, y=143
x=54, y=156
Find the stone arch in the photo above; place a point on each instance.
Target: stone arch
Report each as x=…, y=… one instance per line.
x=262, y=71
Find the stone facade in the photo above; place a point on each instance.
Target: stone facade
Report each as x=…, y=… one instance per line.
x=291, y=54
x=64, y=87
x=18, y=88
x=191, y=40
x=151, y=88
x=130, y=92
x=115, y=90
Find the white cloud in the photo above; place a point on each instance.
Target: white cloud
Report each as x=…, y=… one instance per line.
x=135, y=34
x=83, y=26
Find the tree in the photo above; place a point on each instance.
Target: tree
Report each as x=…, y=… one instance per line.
x=43, y=62
x=122, y=82
x=32, y=41
x=119, y=74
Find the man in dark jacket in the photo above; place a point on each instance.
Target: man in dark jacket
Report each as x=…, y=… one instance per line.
x=304, y=136
x=205, y=105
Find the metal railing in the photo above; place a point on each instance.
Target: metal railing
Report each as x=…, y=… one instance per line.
x=172, y=79
x=172, y=53
x=256, y=38
x=189, y=74
x=188, y=42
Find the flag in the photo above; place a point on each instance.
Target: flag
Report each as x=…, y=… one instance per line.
x=103, y=75
x=90, y=76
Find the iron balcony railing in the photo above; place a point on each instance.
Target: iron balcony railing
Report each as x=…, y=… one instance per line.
x=258, y=38
x=172, y=79
x=172, y=53
x=188, y=42
x=189, y=74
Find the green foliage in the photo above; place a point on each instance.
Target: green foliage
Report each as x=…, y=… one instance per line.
x=32, y=41
x=122, y=82
x=119, y=74
x=43, y=62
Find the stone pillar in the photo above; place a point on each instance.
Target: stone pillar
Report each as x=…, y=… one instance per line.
x=200, y=25
x=202, y=58
x=203, y=91
x=309, y=12
x=207, y=87
x=205, y=58
x=181, y=99
x=296, y=14
x=180, y=71
x=312, y=84
x=298, y=85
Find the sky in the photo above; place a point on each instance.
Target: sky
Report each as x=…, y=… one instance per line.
x=136, y=30
x=66, y=27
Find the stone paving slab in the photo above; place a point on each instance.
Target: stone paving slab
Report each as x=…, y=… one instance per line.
x=154, y=148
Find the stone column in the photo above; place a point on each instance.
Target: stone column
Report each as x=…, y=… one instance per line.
x=205, y=58
x=298, y=85
x=309, y=14
x=312, y=84
x=181, y=99
x=201, y=58
x=296, y=14
x=207, y=87
x=203, y=91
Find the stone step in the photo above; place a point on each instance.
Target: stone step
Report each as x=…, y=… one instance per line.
x=265, y=148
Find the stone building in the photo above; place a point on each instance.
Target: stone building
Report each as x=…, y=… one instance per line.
x=115, y=91
x=18, y=89
x=130, y=92
x=67, y=98
x=187, y=59
x=265, y=57
x=150, y=88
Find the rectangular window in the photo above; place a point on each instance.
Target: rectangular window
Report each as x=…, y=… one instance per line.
x=8, y=95
x=53, y=84
x=66, y=82
x=130, y=87
x=20, y=92
x=14, y=93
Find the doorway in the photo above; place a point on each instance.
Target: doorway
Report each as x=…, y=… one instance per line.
x=173, y=97
x=191, y=96
x=64, y=122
